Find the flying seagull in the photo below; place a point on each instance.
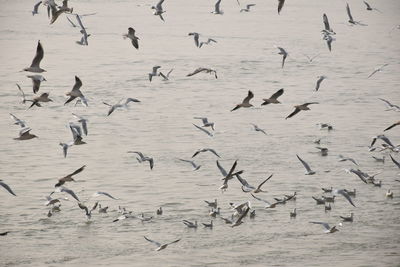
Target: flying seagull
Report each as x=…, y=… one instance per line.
x=369, y=8
x=165, y=77
x=143, y=158
x=344, y=193
x=306, y=166
x=205, y=70
x=319, y=81
x=327, y=227
x=246, y=187
x=239, y=221
x=68, y=178
x=390, y=105
x=119, y=105
x=392, y=126
x=85, y=35
x=283, y=53
x=18, y=121
x=159, y=246
x=22, y=93
x=257, y=129
x=131, y=35
x=273, y=98
x=83, y=122
x=247, y=9
x=195, y=166
x=209, y=41
x=195, y=37
x=205, y=150
x=36, y=80
x=310, y=59
x=25, y=134
x=298, y=108
x=3, y=184
x=280, y=5
x=76, y=92
x=351, y=20
x=66, y=190
x=96, y=194
x=379, y=69
x=42, y=98
x=328, y=29
x=217, y=9
x=35, y=66
x=206, y=123
x=158, y=10
x=246, y=101
x=154, y=72
x=203, y=130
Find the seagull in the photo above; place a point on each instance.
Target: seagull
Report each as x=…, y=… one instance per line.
x=159, y=211
x=96, y=194
x=203, y=130
x=209, y=40
x=35, y=8
x=284, y=55
x=320, y=201
x=85, y=36
x=18, y=121
x=383, y=138
x=55, y=13
x=228, y=221
x=205, y=122
x=65, y=190
x=379, y=69
x=389, y=194
x=165, y=77
x=293, y=213
x=88, y=212
x=246, y=187
x=76, y=92
x=25, y=134
x=158, y=10
x=299, y=108
x=280, y=5
x=76, y=134
x=319, y=81
x=3, y=184
x=131, y=35
x=212, y=204
x=395, y=161
x=42, y=98
x=154, y=72
x=306, y=166
x=327, y=227
x=390, y=105
x=159, y=246
x=195, y=166
x=23, y=94
x=217, y=9
x=205, y=150
x=269, y=205
x=208, y=225
x=392, y=126
x=328, y=29
x=190, y=224
x=379, y=159
x=328, y=207
x=36, y=80
x=246, y=101
x=310, y=59
x=247, y=9
x=239, y=220
x=240, y=208
x=344, y=193
x=347, y=218
x=35, y=66
x=206, y=70
x=119, y=105
x=273, y=98
x=329, y=39
x=257, y=129
x=196, y=38
x=229, y=175
x=342, y=158
x=369, y=8
x=143, y=158
x=351, y=20
x=68, y=178
x=323, y=150
x=83, y=122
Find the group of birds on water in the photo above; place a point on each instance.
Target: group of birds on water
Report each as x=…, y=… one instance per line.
x=239, y=211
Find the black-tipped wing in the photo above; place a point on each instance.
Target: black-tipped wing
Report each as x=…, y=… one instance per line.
x=78, y=84
x=39, y=55
x=77, y=171
x=326, y=23
x=277, y=94
x=249, y=96
x=349, y=12
x=296, y=110
x=280, y=5
x=221, y=169
x=7, y=188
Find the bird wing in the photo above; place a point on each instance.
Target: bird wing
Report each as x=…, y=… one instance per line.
x=304, y=164
x=158, y=6
x=196, y=71
x=229, y=175
x=325, y=225
x=176, y=241
x=346, y=195
x=162, y=75
x=259, y=186
x=296, y=110
x=217, y=9
x=280, y=5
x=249, y=96
x=368, y=6
x=349, y=12
x=244, y=182
x=69, y=191
x=80, y=23
x=70, y=21
x=277, y=94
x=105, y=193
x=39, y=55
x=213, y=151
x=152, y=241
x=204, y=130
x=244, y=214
x=395, y=161
x=318, y=83
x=326, y=22
x=221, y=169
x=260, y=199
x=78, y=84
x=22, y=92
x=77, y=171
x=359, y=174
x=7, y=188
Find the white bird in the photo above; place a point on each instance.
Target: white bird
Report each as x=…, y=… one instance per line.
x=247, y=9
x=96, y=194
x=35, y=66
x=158, y=10
x=36, y=80
x=206, y=123
x=351, y=20
x=344, y=193
x=63, y=189
x=269, y=204
x=390, y=105
x=327, y=227
x=7, y=187
x=35, y=8
x=342, y=158
x=217, y=9
x=379, y=69
x=85, y=35
x=143, y=158
x=44, y=97
x=159, y=245
x=239, y=221
x=195, y=166
x=154, y=73
x=18, y=121
x=25, y=134
x=76, y=92
x=246, y=187
x=120, y=105
x=83, y=122
x=319, y=81
x=389, y=194
x=306, y=166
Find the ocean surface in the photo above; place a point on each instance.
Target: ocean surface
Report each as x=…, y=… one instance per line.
x=160, y=126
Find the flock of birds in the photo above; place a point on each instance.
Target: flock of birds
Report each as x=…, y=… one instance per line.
x=239, y=211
